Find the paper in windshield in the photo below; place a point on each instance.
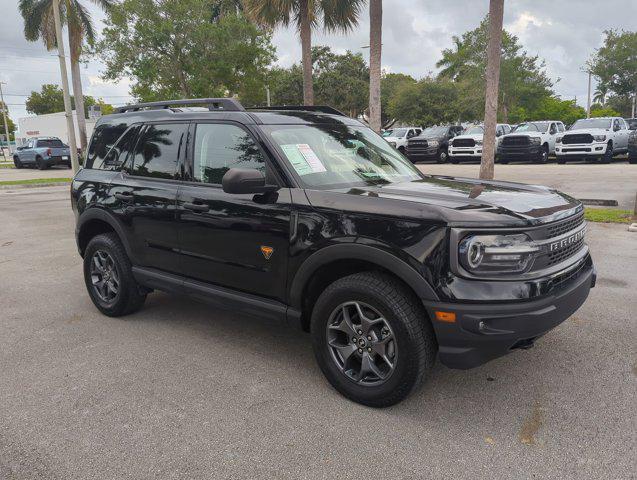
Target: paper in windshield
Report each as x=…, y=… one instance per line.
x=303, y=158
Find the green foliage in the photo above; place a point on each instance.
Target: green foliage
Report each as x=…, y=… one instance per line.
x=615, y=63
x=426, y=102
x=390, y=85
x=607, y=215
x=185, y=49
x=10, y=124
x=340, y=81
x=523, y=82
x=621, y=104
x=598, y=110
x=552, y=108
x=50, y=99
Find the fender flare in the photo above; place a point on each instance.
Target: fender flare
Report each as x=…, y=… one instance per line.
x=102, y=215
x=353, y=251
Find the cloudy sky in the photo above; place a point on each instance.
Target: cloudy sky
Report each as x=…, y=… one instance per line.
x=563, y=32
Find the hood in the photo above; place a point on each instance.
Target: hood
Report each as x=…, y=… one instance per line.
x=455, y=201
x=592, y=131
x=428, y=137
x=393, y=139
x=475, y=136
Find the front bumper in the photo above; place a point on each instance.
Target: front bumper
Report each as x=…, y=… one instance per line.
x=466, y=152
x=421, y=153
x=522, y=151
x=581, y=150
x=485, y=331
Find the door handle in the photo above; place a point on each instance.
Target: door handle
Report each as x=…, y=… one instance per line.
x=196, y=207
x=124, y=195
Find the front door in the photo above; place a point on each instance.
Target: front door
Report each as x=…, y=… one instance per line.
x=145, y=192
x=235, y=241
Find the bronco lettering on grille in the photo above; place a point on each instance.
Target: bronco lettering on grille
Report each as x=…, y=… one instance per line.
x=565, y=242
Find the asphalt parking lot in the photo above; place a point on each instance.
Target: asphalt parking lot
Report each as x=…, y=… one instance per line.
x=181, y=391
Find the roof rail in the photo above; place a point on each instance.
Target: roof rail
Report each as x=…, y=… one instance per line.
x=306, y=108
x=226, y=104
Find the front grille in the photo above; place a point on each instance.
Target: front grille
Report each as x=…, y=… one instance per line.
x=464, y=142
x=564, y=226
x=519, y=140
x=564, y=253
x=417, y=143
x=572, y=138
x=561, y=279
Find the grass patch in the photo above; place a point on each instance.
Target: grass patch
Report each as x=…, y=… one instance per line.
x=608, y=215
x=35, y=180
x=7, y=165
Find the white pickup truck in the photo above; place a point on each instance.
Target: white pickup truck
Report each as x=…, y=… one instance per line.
x=597, y=138
x=468, y=146
x=533, y=141
x=397, y=137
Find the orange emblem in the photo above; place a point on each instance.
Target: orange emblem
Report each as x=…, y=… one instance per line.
x=267, y=251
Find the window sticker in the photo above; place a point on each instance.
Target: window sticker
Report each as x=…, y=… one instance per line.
x=303, y=158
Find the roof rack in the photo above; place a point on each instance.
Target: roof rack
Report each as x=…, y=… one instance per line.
x=307, y=108
x=226, y=104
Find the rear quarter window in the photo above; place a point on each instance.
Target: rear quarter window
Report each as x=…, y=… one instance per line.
x=104, y=137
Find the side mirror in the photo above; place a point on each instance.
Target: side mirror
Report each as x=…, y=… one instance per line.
x=245, y=180
x=498, y=134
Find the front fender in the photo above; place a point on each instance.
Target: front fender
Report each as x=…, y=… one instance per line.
x=353, y=251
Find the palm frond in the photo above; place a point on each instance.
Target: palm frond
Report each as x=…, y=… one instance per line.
x=340, y=15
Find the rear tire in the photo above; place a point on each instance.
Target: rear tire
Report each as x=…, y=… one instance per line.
x=41, y=164
x=400, y=335
x=130, y=296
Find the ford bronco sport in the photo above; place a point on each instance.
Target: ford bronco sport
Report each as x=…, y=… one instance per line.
x=304, y=215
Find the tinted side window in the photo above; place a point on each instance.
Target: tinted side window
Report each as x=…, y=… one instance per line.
x=118, y=155
x=220, y=147
x=104, y=137
x=560, y=127
x=54, y=142
x=158, y=149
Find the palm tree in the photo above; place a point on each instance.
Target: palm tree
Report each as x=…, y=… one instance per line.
x=337, y=16
x=38, y=25
x=375, y=53
x=600, y=94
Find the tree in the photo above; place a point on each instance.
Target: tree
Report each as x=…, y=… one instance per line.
x=375, y=53
x=50, y=100
x=552, y=108
x=337, y=15
x=426, y=102
x=599, y=96
x=185, y=49
x=38, y=24
x=523, y=82
x=390, y=85
x=598, y=110
x=11, y=126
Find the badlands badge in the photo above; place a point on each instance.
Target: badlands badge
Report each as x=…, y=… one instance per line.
x=267, y=251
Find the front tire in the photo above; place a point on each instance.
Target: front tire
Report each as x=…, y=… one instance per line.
x=109, y=278
x=608, y=156
x=561, y=159
x=372, y=339
x=632, y=160
x=442, y=156
x=543, y=155
x=17, y=162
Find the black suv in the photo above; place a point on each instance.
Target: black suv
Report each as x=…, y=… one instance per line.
x=304, y=215
x=432, y=144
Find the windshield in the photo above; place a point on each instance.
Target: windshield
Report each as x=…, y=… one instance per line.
x=437, y=131
x=591, y=123
x=396, y=132
x=338, y=155
x=474, y=131
x=532, y=127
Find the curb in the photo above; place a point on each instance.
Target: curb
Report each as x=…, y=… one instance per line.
x=19, y=186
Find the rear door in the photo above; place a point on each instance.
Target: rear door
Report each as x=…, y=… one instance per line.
x=238, y=241
x=145, y=193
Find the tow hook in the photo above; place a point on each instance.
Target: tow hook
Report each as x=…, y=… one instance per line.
x=524, y=344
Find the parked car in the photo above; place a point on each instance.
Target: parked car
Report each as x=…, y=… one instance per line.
x=468, y=145
x=632, y=147
x=632, y=123
x=42, y=152
x=397, y=137
x=308, y=217
x=533, y=141
x=432, y=143
x=593, y=138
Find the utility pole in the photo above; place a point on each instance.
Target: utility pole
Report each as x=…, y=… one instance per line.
x=588, y=101
x=65, y=86
x=494, y=50
x=634, y=101
x=6, y=124
x=267, y=94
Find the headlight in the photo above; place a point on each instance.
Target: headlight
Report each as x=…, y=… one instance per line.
x=489, y=254
x=558, y=140
x=478, y=142
x=393, y=144
x=432, y=143
x=599, y=138
x=536, y=140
